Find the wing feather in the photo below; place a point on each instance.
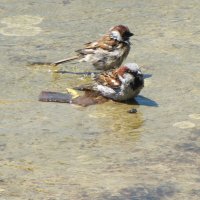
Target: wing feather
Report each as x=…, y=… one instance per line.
x=105, y=43
x=109, y=79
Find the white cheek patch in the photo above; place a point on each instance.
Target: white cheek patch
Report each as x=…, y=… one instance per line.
x=128, y=77
x=116, y=35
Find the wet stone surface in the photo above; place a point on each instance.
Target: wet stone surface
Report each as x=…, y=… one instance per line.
x=61, y=151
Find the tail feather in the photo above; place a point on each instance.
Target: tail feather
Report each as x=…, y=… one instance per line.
x=47, y=96
x=89, y=98
x=65, y=60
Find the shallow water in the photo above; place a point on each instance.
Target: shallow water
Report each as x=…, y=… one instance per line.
x=59, y=151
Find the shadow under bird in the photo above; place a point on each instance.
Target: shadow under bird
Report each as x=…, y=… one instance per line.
x=106, y=53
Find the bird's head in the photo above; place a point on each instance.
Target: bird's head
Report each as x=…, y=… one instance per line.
x=120, y=33
x=131, y=73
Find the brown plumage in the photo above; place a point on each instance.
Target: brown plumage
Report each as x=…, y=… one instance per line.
x=106, y=53
x=120, y=84
x=110, y=79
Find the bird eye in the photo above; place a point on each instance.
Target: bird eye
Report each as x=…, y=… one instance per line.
x=134, y=73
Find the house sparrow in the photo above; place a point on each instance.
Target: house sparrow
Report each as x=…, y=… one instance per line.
x=121, y=84
x=106, y=53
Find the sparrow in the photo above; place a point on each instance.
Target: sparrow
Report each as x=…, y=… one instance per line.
x=121, y=84
x=106, y=53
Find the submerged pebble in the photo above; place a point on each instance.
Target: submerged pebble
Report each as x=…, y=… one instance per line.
x=22, y=20
x=194, y=116
x=184, y=124
x=2, y=190
x=133, y=110
x=97, y=115
x=22, y=25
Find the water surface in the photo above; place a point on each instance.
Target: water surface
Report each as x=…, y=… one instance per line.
x=59, y=151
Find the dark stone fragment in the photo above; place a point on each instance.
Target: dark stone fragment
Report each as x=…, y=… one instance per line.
x=132, y=111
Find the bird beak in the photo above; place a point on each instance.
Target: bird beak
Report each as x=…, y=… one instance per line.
x=130, y=34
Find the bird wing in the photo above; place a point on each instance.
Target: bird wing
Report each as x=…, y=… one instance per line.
x=109, y=79
x=105, y=43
